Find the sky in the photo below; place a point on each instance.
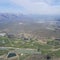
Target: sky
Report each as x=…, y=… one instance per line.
x=50, y=7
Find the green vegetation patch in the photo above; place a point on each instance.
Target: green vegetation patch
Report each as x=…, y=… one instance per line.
x=56, y=53
x=2, y=52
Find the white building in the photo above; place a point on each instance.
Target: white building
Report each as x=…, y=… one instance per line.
x=2, y=34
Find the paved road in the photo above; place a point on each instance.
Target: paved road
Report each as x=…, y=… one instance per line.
x=6, y=48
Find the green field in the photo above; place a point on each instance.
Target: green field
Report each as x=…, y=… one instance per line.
x=30, y=44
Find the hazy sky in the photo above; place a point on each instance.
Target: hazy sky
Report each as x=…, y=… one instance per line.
x=30, y=6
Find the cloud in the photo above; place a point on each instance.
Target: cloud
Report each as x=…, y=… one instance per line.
x=31, y=6
x=53, y=2
x=36, y=0
x=10, y=7
x=39, y=6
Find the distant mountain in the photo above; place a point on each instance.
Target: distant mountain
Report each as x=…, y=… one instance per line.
x=6, y=17
x=40, y=25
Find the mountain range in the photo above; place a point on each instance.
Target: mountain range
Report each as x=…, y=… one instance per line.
x=38, y=25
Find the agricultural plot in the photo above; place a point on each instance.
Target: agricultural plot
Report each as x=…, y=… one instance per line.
x=31, y=46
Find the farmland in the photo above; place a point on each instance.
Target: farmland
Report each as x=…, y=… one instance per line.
x=52, y=47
